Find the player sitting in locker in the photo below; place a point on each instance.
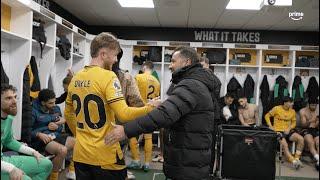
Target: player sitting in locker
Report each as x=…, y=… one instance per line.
x=228, y=110
x=34, y=166
x=47, y=132
x=149, y=88
x=248, y=113
x=284, y=124
x=310, y=132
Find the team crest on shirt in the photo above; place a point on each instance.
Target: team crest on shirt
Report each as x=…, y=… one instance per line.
x=117, y=87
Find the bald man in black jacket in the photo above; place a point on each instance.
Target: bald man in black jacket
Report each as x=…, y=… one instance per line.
x=187, y=116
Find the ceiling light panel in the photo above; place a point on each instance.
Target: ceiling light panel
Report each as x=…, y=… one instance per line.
x=136, y=3
x=245, y=4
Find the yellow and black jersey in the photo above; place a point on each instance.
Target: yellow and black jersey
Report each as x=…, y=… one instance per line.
x=94, y=98
x=283, y=119
x=148, y=85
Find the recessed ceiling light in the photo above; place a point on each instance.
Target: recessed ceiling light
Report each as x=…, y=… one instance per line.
x=137, y=3
x=245, y=4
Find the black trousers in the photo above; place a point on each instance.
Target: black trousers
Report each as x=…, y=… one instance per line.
x=90, y=172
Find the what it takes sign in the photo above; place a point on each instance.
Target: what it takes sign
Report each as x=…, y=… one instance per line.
x=227, y=36
x=211, y=35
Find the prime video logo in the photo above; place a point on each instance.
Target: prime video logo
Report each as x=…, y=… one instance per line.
x=296, y=16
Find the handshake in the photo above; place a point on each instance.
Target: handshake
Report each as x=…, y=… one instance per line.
x=155, y=102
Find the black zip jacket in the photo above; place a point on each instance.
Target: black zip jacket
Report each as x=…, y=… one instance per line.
x=187, y=116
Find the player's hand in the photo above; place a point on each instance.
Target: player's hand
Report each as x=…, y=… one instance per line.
x=116, y=135
x=37, y=155
x=16, y=174
x=287, y=131
x=44, y=137
x=155, y=102
x=245, y=124
x=53, y=126
x=70, y=73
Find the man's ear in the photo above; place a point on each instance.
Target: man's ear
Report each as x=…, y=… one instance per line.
x=189, y=61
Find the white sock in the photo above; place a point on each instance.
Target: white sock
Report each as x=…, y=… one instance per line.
x=316, y=157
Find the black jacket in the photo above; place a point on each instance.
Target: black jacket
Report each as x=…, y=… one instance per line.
x=187, y=116
x=215, y=94
x=234, y=87
x=264, y=91
x=313, y=88
x=298, y=94
x=248, y=87
x=265, y=97
x=280, y=90
x=26, y=109
x=4, y=77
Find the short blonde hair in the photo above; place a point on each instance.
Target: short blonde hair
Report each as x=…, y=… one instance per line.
x=103, y=40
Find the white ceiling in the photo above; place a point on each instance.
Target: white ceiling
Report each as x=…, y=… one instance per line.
x=195, y=14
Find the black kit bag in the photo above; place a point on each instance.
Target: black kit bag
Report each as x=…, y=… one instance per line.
x=303, y=61
x=64, y=46
x=274, y=58
x=252, y=150
x=216, y=56
x=155, y=54
x=38, y=34
x=243, y=57
x=314, y=62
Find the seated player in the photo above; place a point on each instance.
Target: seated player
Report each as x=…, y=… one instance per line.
x=284, y=124
x=18, y=167
x=228, y=110
x=47, y=131
x=310, y=132
x=248, y=113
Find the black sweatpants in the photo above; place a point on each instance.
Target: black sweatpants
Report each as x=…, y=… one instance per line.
x=86, y=171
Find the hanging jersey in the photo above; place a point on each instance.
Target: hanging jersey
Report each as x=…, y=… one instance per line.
x=148, y=85
x=34, y=78
x=94, y=98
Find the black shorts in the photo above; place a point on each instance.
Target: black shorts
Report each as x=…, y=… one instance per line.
x=40, y=146
x=253, y=125
x=287, y=136
x=86, y=171
x=314, y=132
